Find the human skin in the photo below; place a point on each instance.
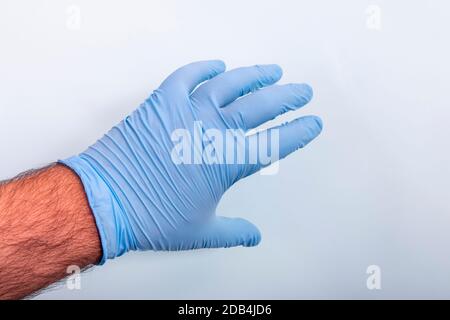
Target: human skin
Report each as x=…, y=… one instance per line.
x=46, y=225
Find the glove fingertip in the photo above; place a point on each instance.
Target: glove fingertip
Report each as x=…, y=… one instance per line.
x=319, y=123
x=253, y=241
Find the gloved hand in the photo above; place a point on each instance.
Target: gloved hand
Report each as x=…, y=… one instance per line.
x=142, y=194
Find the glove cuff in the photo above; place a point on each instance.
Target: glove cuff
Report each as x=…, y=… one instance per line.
x=105, y=207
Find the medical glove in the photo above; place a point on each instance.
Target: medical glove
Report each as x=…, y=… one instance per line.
x=145, y=198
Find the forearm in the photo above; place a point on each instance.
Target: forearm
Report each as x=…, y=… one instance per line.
x=46, y=225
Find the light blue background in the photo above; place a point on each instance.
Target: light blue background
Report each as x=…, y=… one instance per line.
x=373, y=189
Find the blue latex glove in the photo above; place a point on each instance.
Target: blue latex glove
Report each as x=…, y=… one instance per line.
x=144, y=200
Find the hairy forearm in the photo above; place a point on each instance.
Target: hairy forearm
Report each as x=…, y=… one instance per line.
x=45, y=226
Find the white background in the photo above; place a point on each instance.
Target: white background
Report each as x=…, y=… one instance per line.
x=373, y=189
